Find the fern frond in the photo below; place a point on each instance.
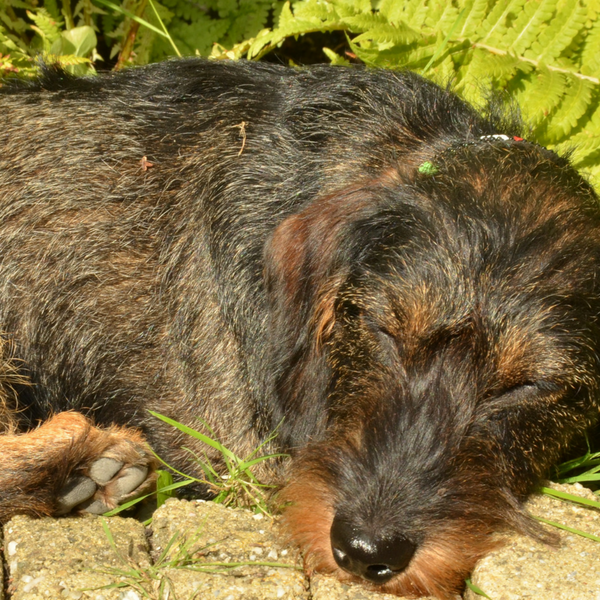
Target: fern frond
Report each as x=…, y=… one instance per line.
x=590, y=54
x=335, y=58
x=574, y=104
x=355, y=6
x=383, y=33
x=527, y=25
x=560, y=32
x=410, y=12
x=495, y=26
x=485, y=66
x=475, y=13
x=53, y=10
x=325, y=11
x=442, y=17
x=580, y=146
x=542, y=94
x=413, y=57
x=45, y=26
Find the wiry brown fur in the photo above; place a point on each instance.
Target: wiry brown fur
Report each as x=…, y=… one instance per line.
x=410, y=299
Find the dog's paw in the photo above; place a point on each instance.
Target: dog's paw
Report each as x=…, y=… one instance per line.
x=121, y=473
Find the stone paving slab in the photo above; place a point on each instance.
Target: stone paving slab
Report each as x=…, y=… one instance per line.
x=328, y=588
x=70, y=558
x=194, y=546
x=216, y=537
x=233, y=536
x=525, y=569
x=1, y=565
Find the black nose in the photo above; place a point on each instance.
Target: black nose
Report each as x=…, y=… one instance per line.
x=376, y=559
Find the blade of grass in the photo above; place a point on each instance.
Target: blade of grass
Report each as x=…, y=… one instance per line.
x=583, y=477
x=570, y=497
x=475, y=589
x=129, y=14
x=443, y=45
x=167, y=34
x=196, y=434
x=126, y=505
x=589, y=536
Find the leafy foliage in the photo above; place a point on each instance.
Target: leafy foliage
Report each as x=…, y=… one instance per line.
x=130, y=32
x=239, y=487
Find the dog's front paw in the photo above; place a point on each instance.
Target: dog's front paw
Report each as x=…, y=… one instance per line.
x=122, y=471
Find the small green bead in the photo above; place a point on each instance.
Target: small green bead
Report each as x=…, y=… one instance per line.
x=428, y=168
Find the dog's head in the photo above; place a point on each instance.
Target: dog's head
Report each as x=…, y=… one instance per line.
x=436, y=336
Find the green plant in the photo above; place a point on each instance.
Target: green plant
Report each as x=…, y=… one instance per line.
x=47, y=31
x=584, y=469
x=238, y=487
x=475, y=589
x=181, y=552
x=129, y=32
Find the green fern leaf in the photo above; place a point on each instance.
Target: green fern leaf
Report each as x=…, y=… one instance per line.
x=419, y=15
x=415, y=56
x=575, y=103
x=527, y=25
x=335, y=58
x=475, y=13
x=444, y=71
x=581, y=145
x=495, y=66
x=410, y=12
x=196, y=36
x=590, y=55
x=447, y=15
x=379, y=31
x=352, y=6
x=308, y=17
x=53, y=10
x=362, y=22
x=246, y=23
x=541, y=94
x=494, y=28
x=45, y=26
x=311, y=13
x=13, y=44
x=560, y=33
x=265, y=39
x=592, y=173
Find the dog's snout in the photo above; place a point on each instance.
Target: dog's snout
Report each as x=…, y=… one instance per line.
x=376, y=559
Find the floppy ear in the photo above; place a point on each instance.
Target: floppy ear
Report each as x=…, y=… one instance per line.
x=305, y=264
x=307, y=261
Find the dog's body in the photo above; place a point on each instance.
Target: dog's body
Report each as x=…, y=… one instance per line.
x=354, y=255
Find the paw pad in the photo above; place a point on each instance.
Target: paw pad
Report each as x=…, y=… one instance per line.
x=107, y=484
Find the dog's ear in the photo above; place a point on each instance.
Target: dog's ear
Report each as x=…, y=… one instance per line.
x=306, y=262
